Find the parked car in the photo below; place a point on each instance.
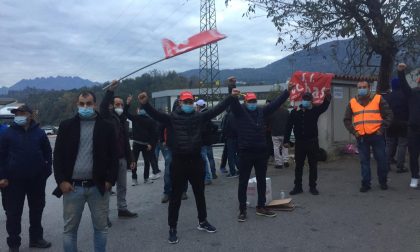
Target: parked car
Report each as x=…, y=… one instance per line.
x=49, y=130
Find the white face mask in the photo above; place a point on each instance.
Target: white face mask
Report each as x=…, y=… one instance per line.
x=119, y=111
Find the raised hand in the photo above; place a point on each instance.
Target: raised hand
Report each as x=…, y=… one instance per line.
x=401, y=67
x=236, y=92
x=143, y=98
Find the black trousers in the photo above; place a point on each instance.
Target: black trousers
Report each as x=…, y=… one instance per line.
x=149, y=158
x=247, y=160
x=224, y=159
x=186, y=168
x=303, y=149
x=13, y=199
x=414, y=151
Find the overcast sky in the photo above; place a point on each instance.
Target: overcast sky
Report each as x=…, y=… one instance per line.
x=104, y=40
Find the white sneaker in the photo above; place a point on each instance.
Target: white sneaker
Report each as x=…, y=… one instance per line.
x=154, y=176
x=414, y=183
x=134, y=182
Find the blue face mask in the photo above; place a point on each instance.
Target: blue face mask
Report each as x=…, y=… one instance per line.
x=306, y=104
x=187, y=108
x=362, y=91
x=142, y=112
x=251, y=106
x=20, y=120
x=86, y=112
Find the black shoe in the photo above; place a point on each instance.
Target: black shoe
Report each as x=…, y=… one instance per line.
x=165, y=198
x=286, y=165
x=206, y=226
x=112, y=193
x=295, y=191
x=314, y=191
x=364, y=189
x=126, y=214
x=402, y=170
x=109, y=223
x=13, y=249
x=173, y=239
x=263, y=211
x=384, y=187
x=214, y=175
x=242, y=216
x=41, y=243
x=278, y=166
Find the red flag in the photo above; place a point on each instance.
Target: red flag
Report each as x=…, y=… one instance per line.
x=198, y=40
x=315, y=83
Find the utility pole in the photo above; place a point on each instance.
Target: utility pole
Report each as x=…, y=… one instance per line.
x=209, y=73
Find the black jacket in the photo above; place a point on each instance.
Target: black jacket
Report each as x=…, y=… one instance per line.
x=209, y=131
x=187, y=129
x=145, y=129
x=304, y=123
x=251, y=125
x=413, y=97
x=105, y=161
x=278, y=122
x=228, y=125
x=120, y=124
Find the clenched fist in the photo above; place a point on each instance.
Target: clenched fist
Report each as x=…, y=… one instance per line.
x=236, y=92
x=143, y=98
x=401, y=67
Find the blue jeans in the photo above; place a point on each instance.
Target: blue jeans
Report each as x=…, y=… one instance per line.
x=158, y=149
x=73, y=205
x=167, y=155
x=208, y=158
x=232, y=152
x=364, y=144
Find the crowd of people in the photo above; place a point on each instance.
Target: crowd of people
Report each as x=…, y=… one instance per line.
x=92, y=152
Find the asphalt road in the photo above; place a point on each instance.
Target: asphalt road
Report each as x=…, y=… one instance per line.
x=339, y=219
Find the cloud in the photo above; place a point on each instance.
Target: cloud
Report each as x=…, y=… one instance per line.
x=103, y=40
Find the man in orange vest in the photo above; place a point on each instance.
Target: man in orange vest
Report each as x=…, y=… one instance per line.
x=367, y=117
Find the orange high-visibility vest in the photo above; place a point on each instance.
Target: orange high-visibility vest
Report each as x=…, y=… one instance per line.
x=366, y=120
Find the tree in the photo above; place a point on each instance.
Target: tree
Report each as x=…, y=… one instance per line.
x=380, y=27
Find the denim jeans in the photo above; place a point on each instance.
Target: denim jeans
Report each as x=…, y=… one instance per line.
x=167, y=188
x=364, y=144
x=209, y=164
x=232, y=152
x=73, y=205
x=122, y=184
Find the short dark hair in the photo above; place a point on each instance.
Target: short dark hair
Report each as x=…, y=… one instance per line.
x=86, y=93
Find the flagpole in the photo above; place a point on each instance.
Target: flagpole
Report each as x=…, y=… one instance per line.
x=151, y=64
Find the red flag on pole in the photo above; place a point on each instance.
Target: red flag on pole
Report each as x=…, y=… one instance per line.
x=198, y=40
x=315, y=83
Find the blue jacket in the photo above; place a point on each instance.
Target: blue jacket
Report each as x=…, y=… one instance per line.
x=24, y=153
x=251, y=125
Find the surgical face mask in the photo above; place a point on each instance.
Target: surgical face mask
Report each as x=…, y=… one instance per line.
x=362, y=91
x=187, y=108
x=251, y=106
x=142, y=112
x=20, y=120
x=119, y=111
x=86, y=112
x=306, y=104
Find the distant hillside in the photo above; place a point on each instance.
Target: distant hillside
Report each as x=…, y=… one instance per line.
x=331, y=57
x=53, y=83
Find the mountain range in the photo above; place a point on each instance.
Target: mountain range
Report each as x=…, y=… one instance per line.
x=330, y=57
